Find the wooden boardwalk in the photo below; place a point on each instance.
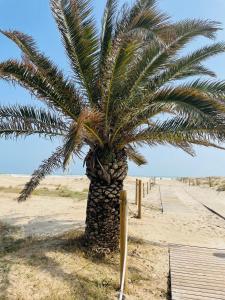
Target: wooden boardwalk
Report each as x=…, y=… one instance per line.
x=197, y=273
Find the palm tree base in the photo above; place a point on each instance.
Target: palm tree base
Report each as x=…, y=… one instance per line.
x=106, y=174
x=103, y=216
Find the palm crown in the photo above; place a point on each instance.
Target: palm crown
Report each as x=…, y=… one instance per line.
x=124, y=79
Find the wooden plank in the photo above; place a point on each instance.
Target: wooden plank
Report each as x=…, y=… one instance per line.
x=203, y=271
x=197, y=273
x=191, y=278
x=200, y=288
x=196, y=248
x=215, y=259
x=203, y=285
x=197, y=263
x=195, y=295
x=180, y=296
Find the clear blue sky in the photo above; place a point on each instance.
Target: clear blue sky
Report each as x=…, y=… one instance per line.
x=34, y=17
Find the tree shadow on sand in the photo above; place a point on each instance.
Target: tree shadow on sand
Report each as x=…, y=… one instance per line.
x=48, y=224
x=34, y=252
x=62, y=259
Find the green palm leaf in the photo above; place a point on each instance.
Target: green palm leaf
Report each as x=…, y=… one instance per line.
x=79, y=36
x=107, y=32
x=185, y=63
x=28, y=77
x=46, y=168
x=182, y=32
x=135, y=156
x=17, y=121
x=181, y=130
x=45, y=67
x=143, y=15
x=34, y=116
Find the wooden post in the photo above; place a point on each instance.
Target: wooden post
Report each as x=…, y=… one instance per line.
x=147, y=188
x=123, y=230
x=143, y=190
x=150, y=184
x=210, y=182
x=154, y=179
x=139, y=199
x=136, y=192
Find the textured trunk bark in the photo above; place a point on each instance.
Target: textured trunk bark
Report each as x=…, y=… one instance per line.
x=102, y=218
x=103, y=207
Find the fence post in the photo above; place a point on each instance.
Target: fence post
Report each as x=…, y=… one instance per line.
x=136, y=192
x=139, y=199
x=210, y=182
x=147, y=188
x=143, y=190
x=123, y=239
x=150, y=183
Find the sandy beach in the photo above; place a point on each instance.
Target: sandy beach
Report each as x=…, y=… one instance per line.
x=172, y=213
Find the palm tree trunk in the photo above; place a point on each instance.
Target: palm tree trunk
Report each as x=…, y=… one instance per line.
x=103, y=207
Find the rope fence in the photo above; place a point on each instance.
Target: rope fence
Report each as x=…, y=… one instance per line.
x=123, y=243
x=196, y=181
x=142, y=190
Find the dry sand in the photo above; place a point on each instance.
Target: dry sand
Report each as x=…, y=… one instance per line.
x=183, y=221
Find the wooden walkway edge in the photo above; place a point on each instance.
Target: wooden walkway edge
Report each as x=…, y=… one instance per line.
x=197, y=273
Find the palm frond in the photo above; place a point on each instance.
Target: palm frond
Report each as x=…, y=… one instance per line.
x=46, y=168
x=86, y=128
x=28, y=77
x=195, y=70
x=189, y=100
x=214, y=89
x=73, y=141
x=45, y=67
x=185, y=64
x=75, y=23
x=181, y=132
x=142, y=15
x=114, y=74
x=185, y=31
x=10, y=130
x=107, y=30
x=34, y=116
x=135, y=156
x=153, y=68
x=19, y=121
x=203, y=105
x=184, y=100
x=199, y=99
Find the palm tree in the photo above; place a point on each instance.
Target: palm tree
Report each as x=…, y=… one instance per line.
x=129, y=88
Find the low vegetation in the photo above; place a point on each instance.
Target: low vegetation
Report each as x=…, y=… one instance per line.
x=59, y=191
x=217, y=183
x=60, y=268
x=221, y=187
